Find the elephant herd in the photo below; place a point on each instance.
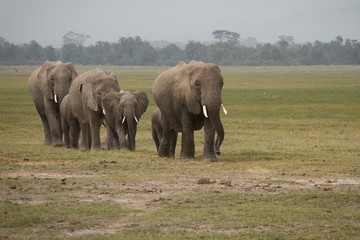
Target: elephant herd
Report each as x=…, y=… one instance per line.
x=73, y=107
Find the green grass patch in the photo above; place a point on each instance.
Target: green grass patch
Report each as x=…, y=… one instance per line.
x=289, y=167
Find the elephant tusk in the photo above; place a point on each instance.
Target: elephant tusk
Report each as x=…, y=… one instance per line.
x=104, y=111
x=223, y=108
x=205, y=112
x=137, y=121
x=55, y=98
x=123, y=120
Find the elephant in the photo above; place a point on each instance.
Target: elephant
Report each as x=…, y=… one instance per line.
x=157, y=131
x=85, y=97
x=70, y=124
x=123, y=111
x=189, y=98
x=48, y=85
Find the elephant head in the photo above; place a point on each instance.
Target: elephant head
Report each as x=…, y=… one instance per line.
x=55, y=79
x=199, y=86
x=127, y=108
x=94, y=90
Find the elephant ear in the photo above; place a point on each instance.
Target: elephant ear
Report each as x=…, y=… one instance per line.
x=45, y=84
x=72, y=69
x=143, y=103
x=111, y=102
x=192, y=72
x=88, y=98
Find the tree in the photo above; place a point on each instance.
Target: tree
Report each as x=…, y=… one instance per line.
x=231, y=37
x=339, y=39
x=196, y=51
x=285, y=41
x=75, y=38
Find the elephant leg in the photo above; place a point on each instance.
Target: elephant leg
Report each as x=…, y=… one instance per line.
x=47, y=132
x=85, y=137
x=54, y=123
x=209, y=134
x=66, y=130
x=187, y=145
x=95, y=136
x=74, y=133
x=56, y=133
x=123, y=142
x=164, y=148
x=173, y=143
x=156, y=138
x=111, y=138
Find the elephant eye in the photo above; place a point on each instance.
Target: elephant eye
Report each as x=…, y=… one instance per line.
x=197, y=84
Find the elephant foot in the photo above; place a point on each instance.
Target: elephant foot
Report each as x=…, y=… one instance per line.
x=57, y=144
x=187, y=157
x=164, y=155
x=209, y=158
x=84, y=149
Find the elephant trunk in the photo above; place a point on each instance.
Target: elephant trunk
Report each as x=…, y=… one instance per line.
x=131, y=124
x=214, y=116
x=60, y=93
x=212, y=111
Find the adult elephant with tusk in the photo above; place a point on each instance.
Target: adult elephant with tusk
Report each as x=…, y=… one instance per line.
x=85, y=97
x=123, y=111
x=189, y=98
x=48, y=85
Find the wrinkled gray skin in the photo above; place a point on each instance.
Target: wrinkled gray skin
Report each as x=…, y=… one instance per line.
x=157, y=131
x=70, y=124
x=85, y=96
x=117, y=106
x=52, y=78
x=181, y=92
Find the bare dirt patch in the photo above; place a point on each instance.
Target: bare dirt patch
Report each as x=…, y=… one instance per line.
x=150, y=195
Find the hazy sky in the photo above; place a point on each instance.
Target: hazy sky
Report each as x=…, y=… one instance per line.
x=46, y=21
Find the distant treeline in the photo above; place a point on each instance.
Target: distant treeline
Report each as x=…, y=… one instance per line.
x=135, y=51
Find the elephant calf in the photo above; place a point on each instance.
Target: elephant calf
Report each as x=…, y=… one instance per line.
x=157, y=127
x=70, y=124
x=123, y=111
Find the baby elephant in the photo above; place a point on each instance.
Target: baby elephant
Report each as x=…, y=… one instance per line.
x=70, y=124
x=123, y=111
x=157, y=131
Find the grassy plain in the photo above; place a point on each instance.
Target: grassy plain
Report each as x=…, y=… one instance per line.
x=289, y=167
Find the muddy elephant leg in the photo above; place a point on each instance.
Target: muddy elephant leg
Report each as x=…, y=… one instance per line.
x=209, y=134
x=85, y=137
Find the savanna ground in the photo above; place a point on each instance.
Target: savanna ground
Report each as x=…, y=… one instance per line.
x=289, y=168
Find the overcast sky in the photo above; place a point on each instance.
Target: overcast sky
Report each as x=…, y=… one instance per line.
x=46, y=21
